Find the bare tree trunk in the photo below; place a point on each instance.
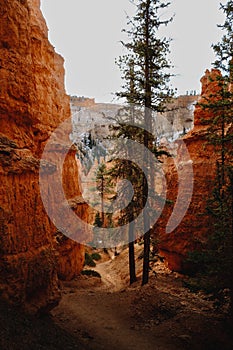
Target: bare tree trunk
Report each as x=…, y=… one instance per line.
x=146, y=260
x=147, y=131
x=132, y=272
x=231, y=252
x=131, y=233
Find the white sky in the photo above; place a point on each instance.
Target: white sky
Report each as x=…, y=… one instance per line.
x=87, y=34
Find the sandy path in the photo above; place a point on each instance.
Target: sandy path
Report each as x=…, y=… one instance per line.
x=103, y=320
x=101, y=314
x=111, y=280
x=108, y=315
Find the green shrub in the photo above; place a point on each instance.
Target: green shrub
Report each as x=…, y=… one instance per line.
x=89, y=260
x=91, y=273
x=96, y=256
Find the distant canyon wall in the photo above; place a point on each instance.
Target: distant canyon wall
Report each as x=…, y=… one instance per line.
x=33, y=102
x=178, y=117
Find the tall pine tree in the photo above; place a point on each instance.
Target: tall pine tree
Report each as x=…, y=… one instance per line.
x=146, y=72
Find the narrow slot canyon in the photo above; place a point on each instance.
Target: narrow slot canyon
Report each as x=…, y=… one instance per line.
x=58, y=288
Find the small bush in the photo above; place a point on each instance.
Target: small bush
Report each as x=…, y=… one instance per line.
x=96, y=256
x=91, y=273
x=89, y=260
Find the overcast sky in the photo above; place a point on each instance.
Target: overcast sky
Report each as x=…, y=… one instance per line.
x=87, y=34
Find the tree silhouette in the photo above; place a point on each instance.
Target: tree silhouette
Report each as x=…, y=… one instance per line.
x=145, y=70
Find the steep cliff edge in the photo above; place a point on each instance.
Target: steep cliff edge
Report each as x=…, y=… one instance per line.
x=196, y=224
x=32, y=104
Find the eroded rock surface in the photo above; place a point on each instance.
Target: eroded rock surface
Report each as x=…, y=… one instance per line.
x=33, y=103
x=195, y=225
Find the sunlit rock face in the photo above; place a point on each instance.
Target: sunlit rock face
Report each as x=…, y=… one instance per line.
x=33, y=103
x=210, y=88
x=195, y=225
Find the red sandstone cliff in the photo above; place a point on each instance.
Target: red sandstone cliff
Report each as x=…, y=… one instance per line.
x=195, y=225
x=32, y=104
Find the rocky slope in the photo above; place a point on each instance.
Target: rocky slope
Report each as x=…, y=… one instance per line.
x=32, y=104
x=195, y=225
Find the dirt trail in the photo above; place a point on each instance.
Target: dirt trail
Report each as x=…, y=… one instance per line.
x=107, y=314
x=103, y=322
x=111, y=280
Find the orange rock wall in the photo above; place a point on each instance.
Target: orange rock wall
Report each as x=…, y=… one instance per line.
x=196, y=225
x=32, y=104
x=210, y=88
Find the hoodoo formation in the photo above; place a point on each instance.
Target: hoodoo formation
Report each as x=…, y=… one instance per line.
x=33, y=102
x=196, y=225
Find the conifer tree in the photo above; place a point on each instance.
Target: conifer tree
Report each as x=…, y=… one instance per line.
x=145, y=71
x=105, y=189
x=104, y=186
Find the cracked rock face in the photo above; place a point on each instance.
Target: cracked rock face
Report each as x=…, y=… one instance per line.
x=33, y=103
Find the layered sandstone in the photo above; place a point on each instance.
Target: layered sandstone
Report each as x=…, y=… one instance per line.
x=33, y=102
x=196, y=224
